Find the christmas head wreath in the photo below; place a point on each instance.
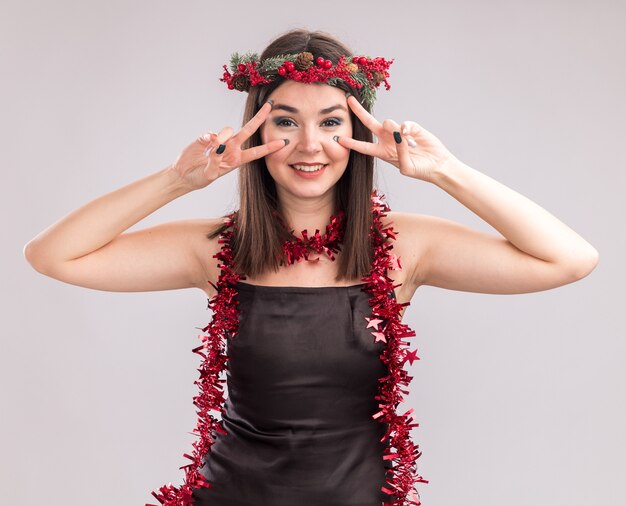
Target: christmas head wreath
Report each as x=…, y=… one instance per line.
x=361, y=72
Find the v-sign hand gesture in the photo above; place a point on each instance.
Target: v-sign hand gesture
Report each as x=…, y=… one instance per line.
x=410, y=147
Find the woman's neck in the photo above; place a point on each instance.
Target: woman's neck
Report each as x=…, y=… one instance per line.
x=310, y=214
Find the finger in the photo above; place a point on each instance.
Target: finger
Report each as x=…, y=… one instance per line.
x=206, y=138
x=410, y=129
x=415, y=129
x=215, y=155
x=367, y=148
x=405, y=162
x=252, y=126
x=390, y=126
x=260, y=151
x=405, y=127
x=366, y=118
x=208, y=150
x=407, y=131
x=219, y=141
x=223, y=135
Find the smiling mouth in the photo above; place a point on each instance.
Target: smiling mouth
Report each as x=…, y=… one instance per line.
x=308, y=168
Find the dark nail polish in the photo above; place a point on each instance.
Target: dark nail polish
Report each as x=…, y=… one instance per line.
x=220, y=149
x=286, y=141
x=271, y=102
x=348, y=94
x=336, y=138
x=397, y=137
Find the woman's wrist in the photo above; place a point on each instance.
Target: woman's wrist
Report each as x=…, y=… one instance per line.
x=446, y=173
x=175, y=185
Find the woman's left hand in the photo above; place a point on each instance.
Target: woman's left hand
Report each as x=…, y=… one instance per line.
x=418, y=155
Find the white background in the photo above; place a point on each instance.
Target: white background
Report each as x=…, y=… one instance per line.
x=520, y=398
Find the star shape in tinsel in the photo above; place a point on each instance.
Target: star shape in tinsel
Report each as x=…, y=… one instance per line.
x=372, y=322
x=379, y=337
x=411, y=356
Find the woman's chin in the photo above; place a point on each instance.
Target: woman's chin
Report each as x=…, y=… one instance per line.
x=306, y=190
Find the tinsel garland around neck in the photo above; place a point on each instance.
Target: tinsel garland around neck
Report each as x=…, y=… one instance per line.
x=296, y=249
x=386, y=322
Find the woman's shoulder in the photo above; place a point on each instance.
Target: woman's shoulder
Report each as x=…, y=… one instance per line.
x=406, y=224
x=205, y=243
x=408, y=243
x=206, y=227
x=401, y=222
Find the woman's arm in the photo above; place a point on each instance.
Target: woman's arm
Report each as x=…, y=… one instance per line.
x=537, y=252
x=88, y=247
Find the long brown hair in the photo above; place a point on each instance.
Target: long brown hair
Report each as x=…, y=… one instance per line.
x=258, y=236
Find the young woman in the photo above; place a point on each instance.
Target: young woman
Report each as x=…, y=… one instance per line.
x=312, y=341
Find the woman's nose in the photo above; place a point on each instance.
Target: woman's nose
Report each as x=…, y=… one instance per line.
x=310, y=139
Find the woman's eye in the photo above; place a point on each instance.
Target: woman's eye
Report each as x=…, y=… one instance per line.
x=281, y=122
x=336, y=122
x=328, y=122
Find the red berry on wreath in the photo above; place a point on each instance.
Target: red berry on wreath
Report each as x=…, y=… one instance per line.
x=328, y=64
x=241, y=67
x=282, y=71
x=362, y=60
x=320, y=61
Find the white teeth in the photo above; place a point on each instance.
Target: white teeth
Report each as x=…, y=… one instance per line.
x=307, y=168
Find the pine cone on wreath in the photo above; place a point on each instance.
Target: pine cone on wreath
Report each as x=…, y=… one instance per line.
x=377, y=77
x=241, y=83
x=352, y=67
x=304, y=61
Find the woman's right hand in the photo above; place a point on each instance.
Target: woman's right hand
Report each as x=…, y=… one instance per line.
x=197, y=170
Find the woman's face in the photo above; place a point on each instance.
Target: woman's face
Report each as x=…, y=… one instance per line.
x=309, y=115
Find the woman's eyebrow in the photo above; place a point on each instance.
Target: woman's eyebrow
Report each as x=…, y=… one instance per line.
x=288, y=108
